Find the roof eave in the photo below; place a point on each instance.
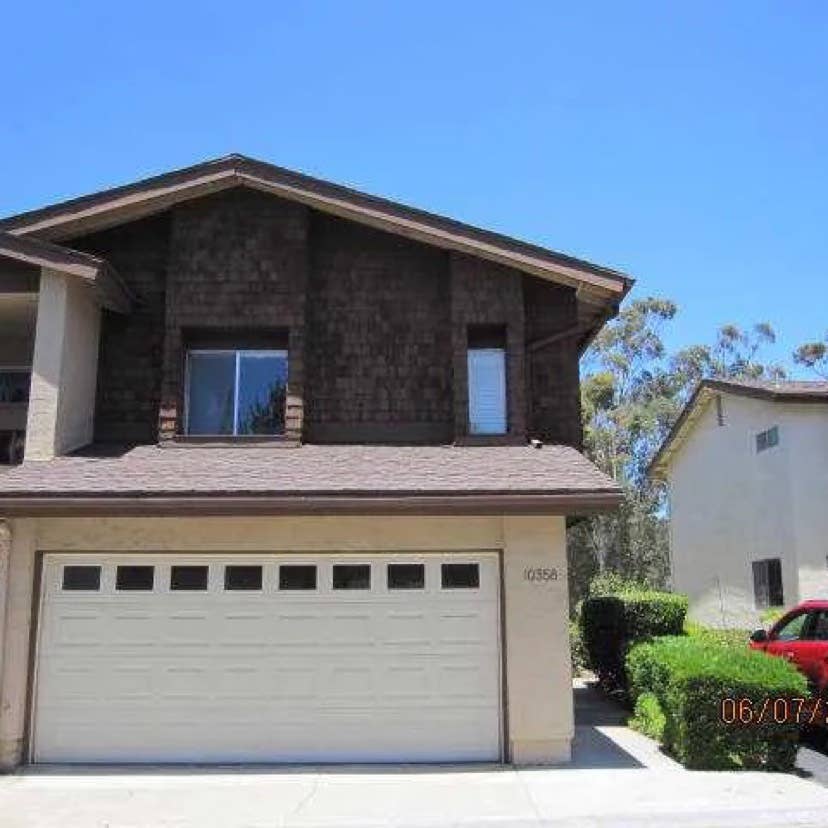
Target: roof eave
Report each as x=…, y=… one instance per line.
x=94, y=272
x=153, y=195
x=368, y=504
x=658, y=469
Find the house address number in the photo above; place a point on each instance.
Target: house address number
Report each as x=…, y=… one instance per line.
x=540, y=574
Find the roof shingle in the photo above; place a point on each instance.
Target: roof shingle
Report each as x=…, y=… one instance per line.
x=306, y=470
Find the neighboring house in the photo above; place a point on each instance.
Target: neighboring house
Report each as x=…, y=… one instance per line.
x=278, y=501
x=747, y=469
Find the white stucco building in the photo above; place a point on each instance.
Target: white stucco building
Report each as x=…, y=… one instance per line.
x=747, y=470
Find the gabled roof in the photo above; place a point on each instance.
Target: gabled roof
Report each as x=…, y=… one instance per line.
x=774, y=390
x=777, y=391
x=95, y=272
x=115, y=206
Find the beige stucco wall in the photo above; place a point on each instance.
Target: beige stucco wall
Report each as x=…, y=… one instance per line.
x=538, y=669
x=537, y=674
x=730, y=505
x=64, y=368
x=16, y=612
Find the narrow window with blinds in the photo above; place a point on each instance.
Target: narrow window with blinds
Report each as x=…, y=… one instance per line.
x=487, y=381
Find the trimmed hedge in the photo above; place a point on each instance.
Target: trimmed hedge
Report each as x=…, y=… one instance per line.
x=685, y=679
x=576, y=649
x=714, y=635
x=611, y=624
x=648, y=717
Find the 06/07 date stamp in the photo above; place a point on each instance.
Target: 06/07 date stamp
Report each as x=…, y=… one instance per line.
x=773, y=710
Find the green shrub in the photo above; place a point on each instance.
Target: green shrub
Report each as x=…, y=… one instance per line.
x=611, y=624
x=690, y=677
x=771, y=615
x=648, y=717
x=611, y=583
x=726, y=637
x=576, y=648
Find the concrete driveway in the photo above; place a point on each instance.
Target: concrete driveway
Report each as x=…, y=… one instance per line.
x=618, y=778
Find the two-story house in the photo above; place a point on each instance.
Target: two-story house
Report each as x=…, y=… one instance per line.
x=278, y=500
x=747, y=470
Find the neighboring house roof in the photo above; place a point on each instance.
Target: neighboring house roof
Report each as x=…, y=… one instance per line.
x=605, y=287
x=778, y=391
x=95, y=272
x=309, y=479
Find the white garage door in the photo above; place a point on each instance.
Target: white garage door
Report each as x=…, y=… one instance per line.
x=268, y=659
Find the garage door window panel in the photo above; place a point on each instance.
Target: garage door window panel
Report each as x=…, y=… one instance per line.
x=243, y=578
x=188, y=578
x=82, y=578
x=352, y=576
x=135, y=578
x=406, y=576
x=299, y=577
x=460, y=576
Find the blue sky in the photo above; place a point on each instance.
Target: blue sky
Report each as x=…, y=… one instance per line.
x=686, y=143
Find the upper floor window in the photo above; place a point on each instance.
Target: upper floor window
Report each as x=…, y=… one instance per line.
x=236, y=391
x=767, y=439
x=487, y=380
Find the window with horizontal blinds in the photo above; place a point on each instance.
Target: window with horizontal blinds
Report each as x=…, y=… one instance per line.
x=487, y=390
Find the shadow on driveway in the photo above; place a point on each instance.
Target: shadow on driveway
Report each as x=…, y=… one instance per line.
x=602, y=739
x=812, y=758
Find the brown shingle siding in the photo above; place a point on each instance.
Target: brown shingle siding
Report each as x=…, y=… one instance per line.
x=484, y=293
x=554, y=409
x=238, y=261
x=376, y=324
x=378, y=337
x=131, y=346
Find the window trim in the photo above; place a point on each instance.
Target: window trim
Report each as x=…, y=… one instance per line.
x=237, y=354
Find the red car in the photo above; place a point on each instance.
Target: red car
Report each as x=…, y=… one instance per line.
x=801, y=636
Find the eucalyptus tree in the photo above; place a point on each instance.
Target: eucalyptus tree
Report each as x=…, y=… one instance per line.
x=632, y=391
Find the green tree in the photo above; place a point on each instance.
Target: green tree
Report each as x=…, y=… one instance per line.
x=632, y=391
x=814, y=356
